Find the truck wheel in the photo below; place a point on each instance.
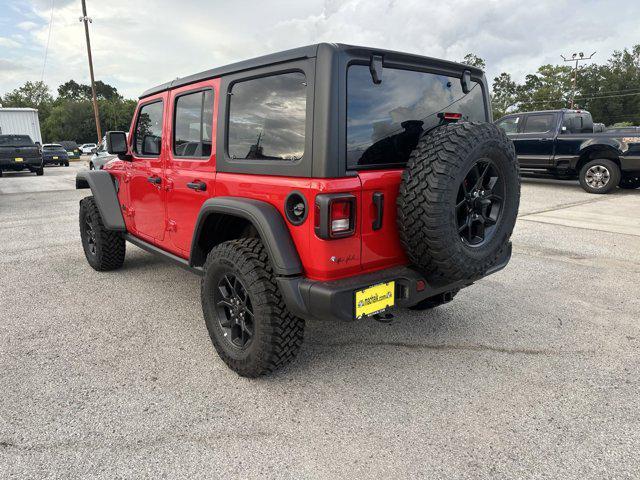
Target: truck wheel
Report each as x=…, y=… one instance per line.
x=436, y=301
x=629, y=182
x=459, y=200
x=248, y=322
x=104, y=249
x=599, y=176
x=66, y=164
x=39, y=171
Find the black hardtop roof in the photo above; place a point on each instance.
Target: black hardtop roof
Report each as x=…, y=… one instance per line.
x=309, y=51
x=559, y=110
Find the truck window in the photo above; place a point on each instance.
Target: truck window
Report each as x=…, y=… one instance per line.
x=15, y=141
x=509, y=125
x=148, y=132
x=385, y=121
x=539, y=123
x=267, y=117
x=193, y=125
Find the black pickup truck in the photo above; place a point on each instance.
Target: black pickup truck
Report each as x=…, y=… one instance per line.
x=18, y=152
x=562, y=143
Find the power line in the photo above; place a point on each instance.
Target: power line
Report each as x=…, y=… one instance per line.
x=46, y=50
x=576, y=57
x=560, y=100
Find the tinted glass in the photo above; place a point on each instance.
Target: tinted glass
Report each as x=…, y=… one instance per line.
x=509, y=125
x=148, y=133
x=538, y=123
x=267, y=117
x=385, y=121
x=193, y=125
x=52, y=147
x=15, y=141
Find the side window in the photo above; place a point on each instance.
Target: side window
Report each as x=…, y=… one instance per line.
x=267, y=117
x=539, y=123
x=193, y=125
x=148, y=132
x=509, y=125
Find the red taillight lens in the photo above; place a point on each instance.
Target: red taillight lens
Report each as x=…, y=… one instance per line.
x=335, y=215
x=340, y=216
x=450, y=116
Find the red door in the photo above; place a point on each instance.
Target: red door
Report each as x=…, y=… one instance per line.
x=380, y=241
x=146, y=171
x=190, y=172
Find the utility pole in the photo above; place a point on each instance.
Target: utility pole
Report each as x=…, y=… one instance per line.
x=575, y=57
x=84, y=18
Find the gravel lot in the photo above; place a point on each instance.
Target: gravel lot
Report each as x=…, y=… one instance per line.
x=530, y=373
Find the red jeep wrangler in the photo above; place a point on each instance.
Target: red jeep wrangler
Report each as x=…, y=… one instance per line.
x=324, y=182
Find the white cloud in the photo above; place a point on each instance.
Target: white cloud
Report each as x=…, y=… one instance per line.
x=27, y=25
x=135, y=48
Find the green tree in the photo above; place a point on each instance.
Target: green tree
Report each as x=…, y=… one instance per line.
x=504, y=96
x=474, y=61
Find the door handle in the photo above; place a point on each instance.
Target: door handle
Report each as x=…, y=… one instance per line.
x=378, y=201
x=197, y=186
x=155, y=180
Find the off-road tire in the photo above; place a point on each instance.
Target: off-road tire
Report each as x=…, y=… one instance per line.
x=436, y=301
x=277, y=336
x=629, y=182
x=426, y=204
x=110, y=246
x=614, y=172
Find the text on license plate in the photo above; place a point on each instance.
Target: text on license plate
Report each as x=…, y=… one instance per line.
x=19, y=159
x=375, y=299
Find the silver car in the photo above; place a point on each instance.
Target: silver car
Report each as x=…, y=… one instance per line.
x=100, y=156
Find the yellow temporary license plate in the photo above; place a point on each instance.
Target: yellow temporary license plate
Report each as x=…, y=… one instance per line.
x=55, y=158
x=375, y=299
x=19, y=159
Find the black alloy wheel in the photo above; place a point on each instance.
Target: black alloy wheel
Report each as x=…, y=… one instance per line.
x=479, y=203
x=234, y=311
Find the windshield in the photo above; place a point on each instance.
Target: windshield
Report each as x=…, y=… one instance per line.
x=16, y=141
x=385, y=121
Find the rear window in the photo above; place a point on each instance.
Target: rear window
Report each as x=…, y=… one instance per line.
x=539, y=123
x=385, y=121
x=52, y=147
x=15, y=141
x=267, y=117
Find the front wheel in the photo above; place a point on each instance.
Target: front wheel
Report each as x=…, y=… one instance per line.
x=248, y=322
x=599, y=176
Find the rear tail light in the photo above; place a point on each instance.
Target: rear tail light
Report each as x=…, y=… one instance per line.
x=335, y=215
x=450, y=116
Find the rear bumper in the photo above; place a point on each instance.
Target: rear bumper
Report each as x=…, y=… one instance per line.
x=8, y=164
x=50, y=160
x=335, y=300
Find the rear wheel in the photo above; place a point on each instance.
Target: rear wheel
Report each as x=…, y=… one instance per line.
x=599, y=176
x=459, y=200
x=39, y=171
x=248, y=322
x=104, y=249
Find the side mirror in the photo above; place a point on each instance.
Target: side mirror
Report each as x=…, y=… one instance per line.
x=117, y=143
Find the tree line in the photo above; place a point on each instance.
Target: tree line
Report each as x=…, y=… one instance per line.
x=610, y=91
x=69, y=115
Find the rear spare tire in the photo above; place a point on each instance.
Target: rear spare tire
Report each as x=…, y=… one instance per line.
x=458, y=200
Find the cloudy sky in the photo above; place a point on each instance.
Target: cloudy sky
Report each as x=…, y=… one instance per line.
x=137, y=44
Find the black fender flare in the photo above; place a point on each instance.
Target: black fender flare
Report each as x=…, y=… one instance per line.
x=610, y=147
x=268, y=222
x=103, y=187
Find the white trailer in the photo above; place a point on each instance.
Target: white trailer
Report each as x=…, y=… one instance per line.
x=22, y=121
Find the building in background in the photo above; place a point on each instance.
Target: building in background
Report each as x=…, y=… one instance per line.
x=21, y=121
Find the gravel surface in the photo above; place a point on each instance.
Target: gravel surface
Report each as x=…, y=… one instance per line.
x=531, y=373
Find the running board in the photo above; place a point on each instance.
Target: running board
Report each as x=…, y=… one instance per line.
x=181, y=262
